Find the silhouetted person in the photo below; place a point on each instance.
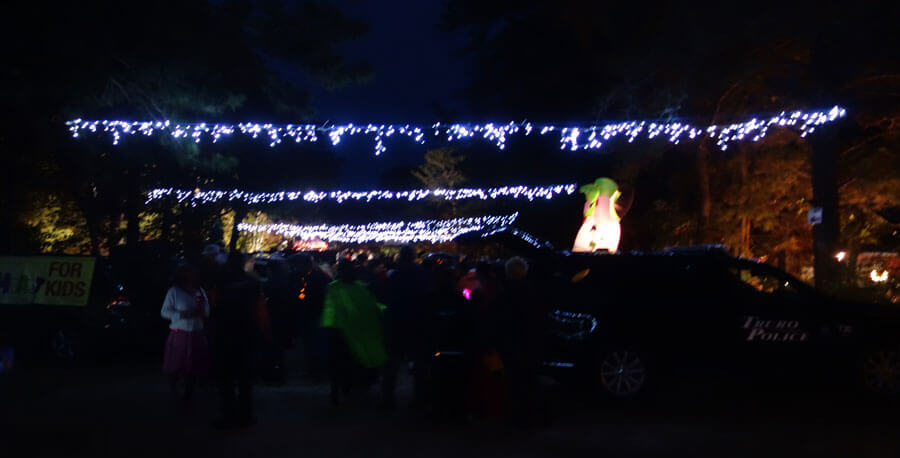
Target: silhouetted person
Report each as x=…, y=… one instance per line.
x=451, y=339
x=378, y=278
x=519, y=338
x=211, y=260
x=238, y=331
x=309, y=284
x=187, y=352
x=280, y=301
x=356, y=344
x=486, y=387
x=408, y=288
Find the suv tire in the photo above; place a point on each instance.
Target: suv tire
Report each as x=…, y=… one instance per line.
x=881, y=371
x=622, y=373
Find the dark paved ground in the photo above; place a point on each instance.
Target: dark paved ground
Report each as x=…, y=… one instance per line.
x=128, y=412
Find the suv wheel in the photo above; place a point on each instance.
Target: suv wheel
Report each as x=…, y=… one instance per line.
x=622, y=373
x=881, y=371
x=62, y=346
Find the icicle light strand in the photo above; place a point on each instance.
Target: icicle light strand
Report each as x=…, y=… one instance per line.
x=198, y=197
x=433, y=231
x=571, y=137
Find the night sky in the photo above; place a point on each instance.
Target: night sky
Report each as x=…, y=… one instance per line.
x=416, y=64
x=419, y=77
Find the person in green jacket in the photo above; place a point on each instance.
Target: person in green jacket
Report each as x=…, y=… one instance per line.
x=353, y=314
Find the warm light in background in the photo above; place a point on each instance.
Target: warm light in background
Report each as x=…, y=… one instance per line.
x=310, y=245
x=840, y=256
x=878, y=278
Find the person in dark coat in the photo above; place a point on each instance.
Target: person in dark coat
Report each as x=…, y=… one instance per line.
x=239, y=328
x=451, y=339
x=519, y=340
x=279, y=301
x=211, y=261
x=408, y=288
x=309, y=284
x=486, y=390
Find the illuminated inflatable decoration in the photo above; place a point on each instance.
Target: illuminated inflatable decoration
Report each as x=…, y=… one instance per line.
x=600, y=229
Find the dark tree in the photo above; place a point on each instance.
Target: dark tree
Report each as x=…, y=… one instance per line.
x=180, y=60
x=579, y=61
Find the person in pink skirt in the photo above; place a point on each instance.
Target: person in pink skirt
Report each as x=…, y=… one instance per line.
x=186, y=307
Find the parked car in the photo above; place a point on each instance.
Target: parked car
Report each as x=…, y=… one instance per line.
x=630, y=322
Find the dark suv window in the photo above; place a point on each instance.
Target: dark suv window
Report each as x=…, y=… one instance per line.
x=769, y=281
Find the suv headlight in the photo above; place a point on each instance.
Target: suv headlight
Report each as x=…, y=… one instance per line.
x=572, y=325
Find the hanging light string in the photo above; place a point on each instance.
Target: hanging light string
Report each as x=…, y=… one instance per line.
x=433, y=231
x=198, y=197
x=583, y=137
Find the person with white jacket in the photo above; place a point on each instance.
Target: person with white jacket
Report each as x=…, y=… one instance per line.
x=186, y=307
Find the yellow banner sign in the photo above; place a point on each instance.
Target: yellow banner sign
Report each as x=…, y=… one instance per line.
x=46, y=280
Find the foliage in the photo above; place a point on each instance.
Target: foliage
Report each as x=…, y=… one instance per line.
x=869, y=168
x=307, y=35
x=251, y=242
x=671, y=224
x=440, y=169
x=763, y=195
x=150, y=225
x=226, y=220
x=58, y=225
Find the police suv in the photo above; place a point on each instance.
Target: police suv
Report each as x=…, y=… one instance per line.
x=632, y=321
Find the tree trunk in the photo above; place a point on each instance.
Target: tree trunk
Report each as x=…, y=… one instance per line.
x=745, y=216
x=705, y=197
x=825, y=196
x=112, y=235
x=132, y=213
x=165, y=216
x=192, y=233
x=703, y=158
x=240, y=213
x=92, y=224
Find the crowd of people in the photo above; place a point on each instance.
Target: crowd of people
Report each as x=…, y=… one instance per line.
x=469, y=331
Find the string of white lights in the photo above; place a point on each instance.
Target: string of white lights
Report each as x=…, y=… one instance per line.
x=197, y=196
x=433, y=231
x=571, y=137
